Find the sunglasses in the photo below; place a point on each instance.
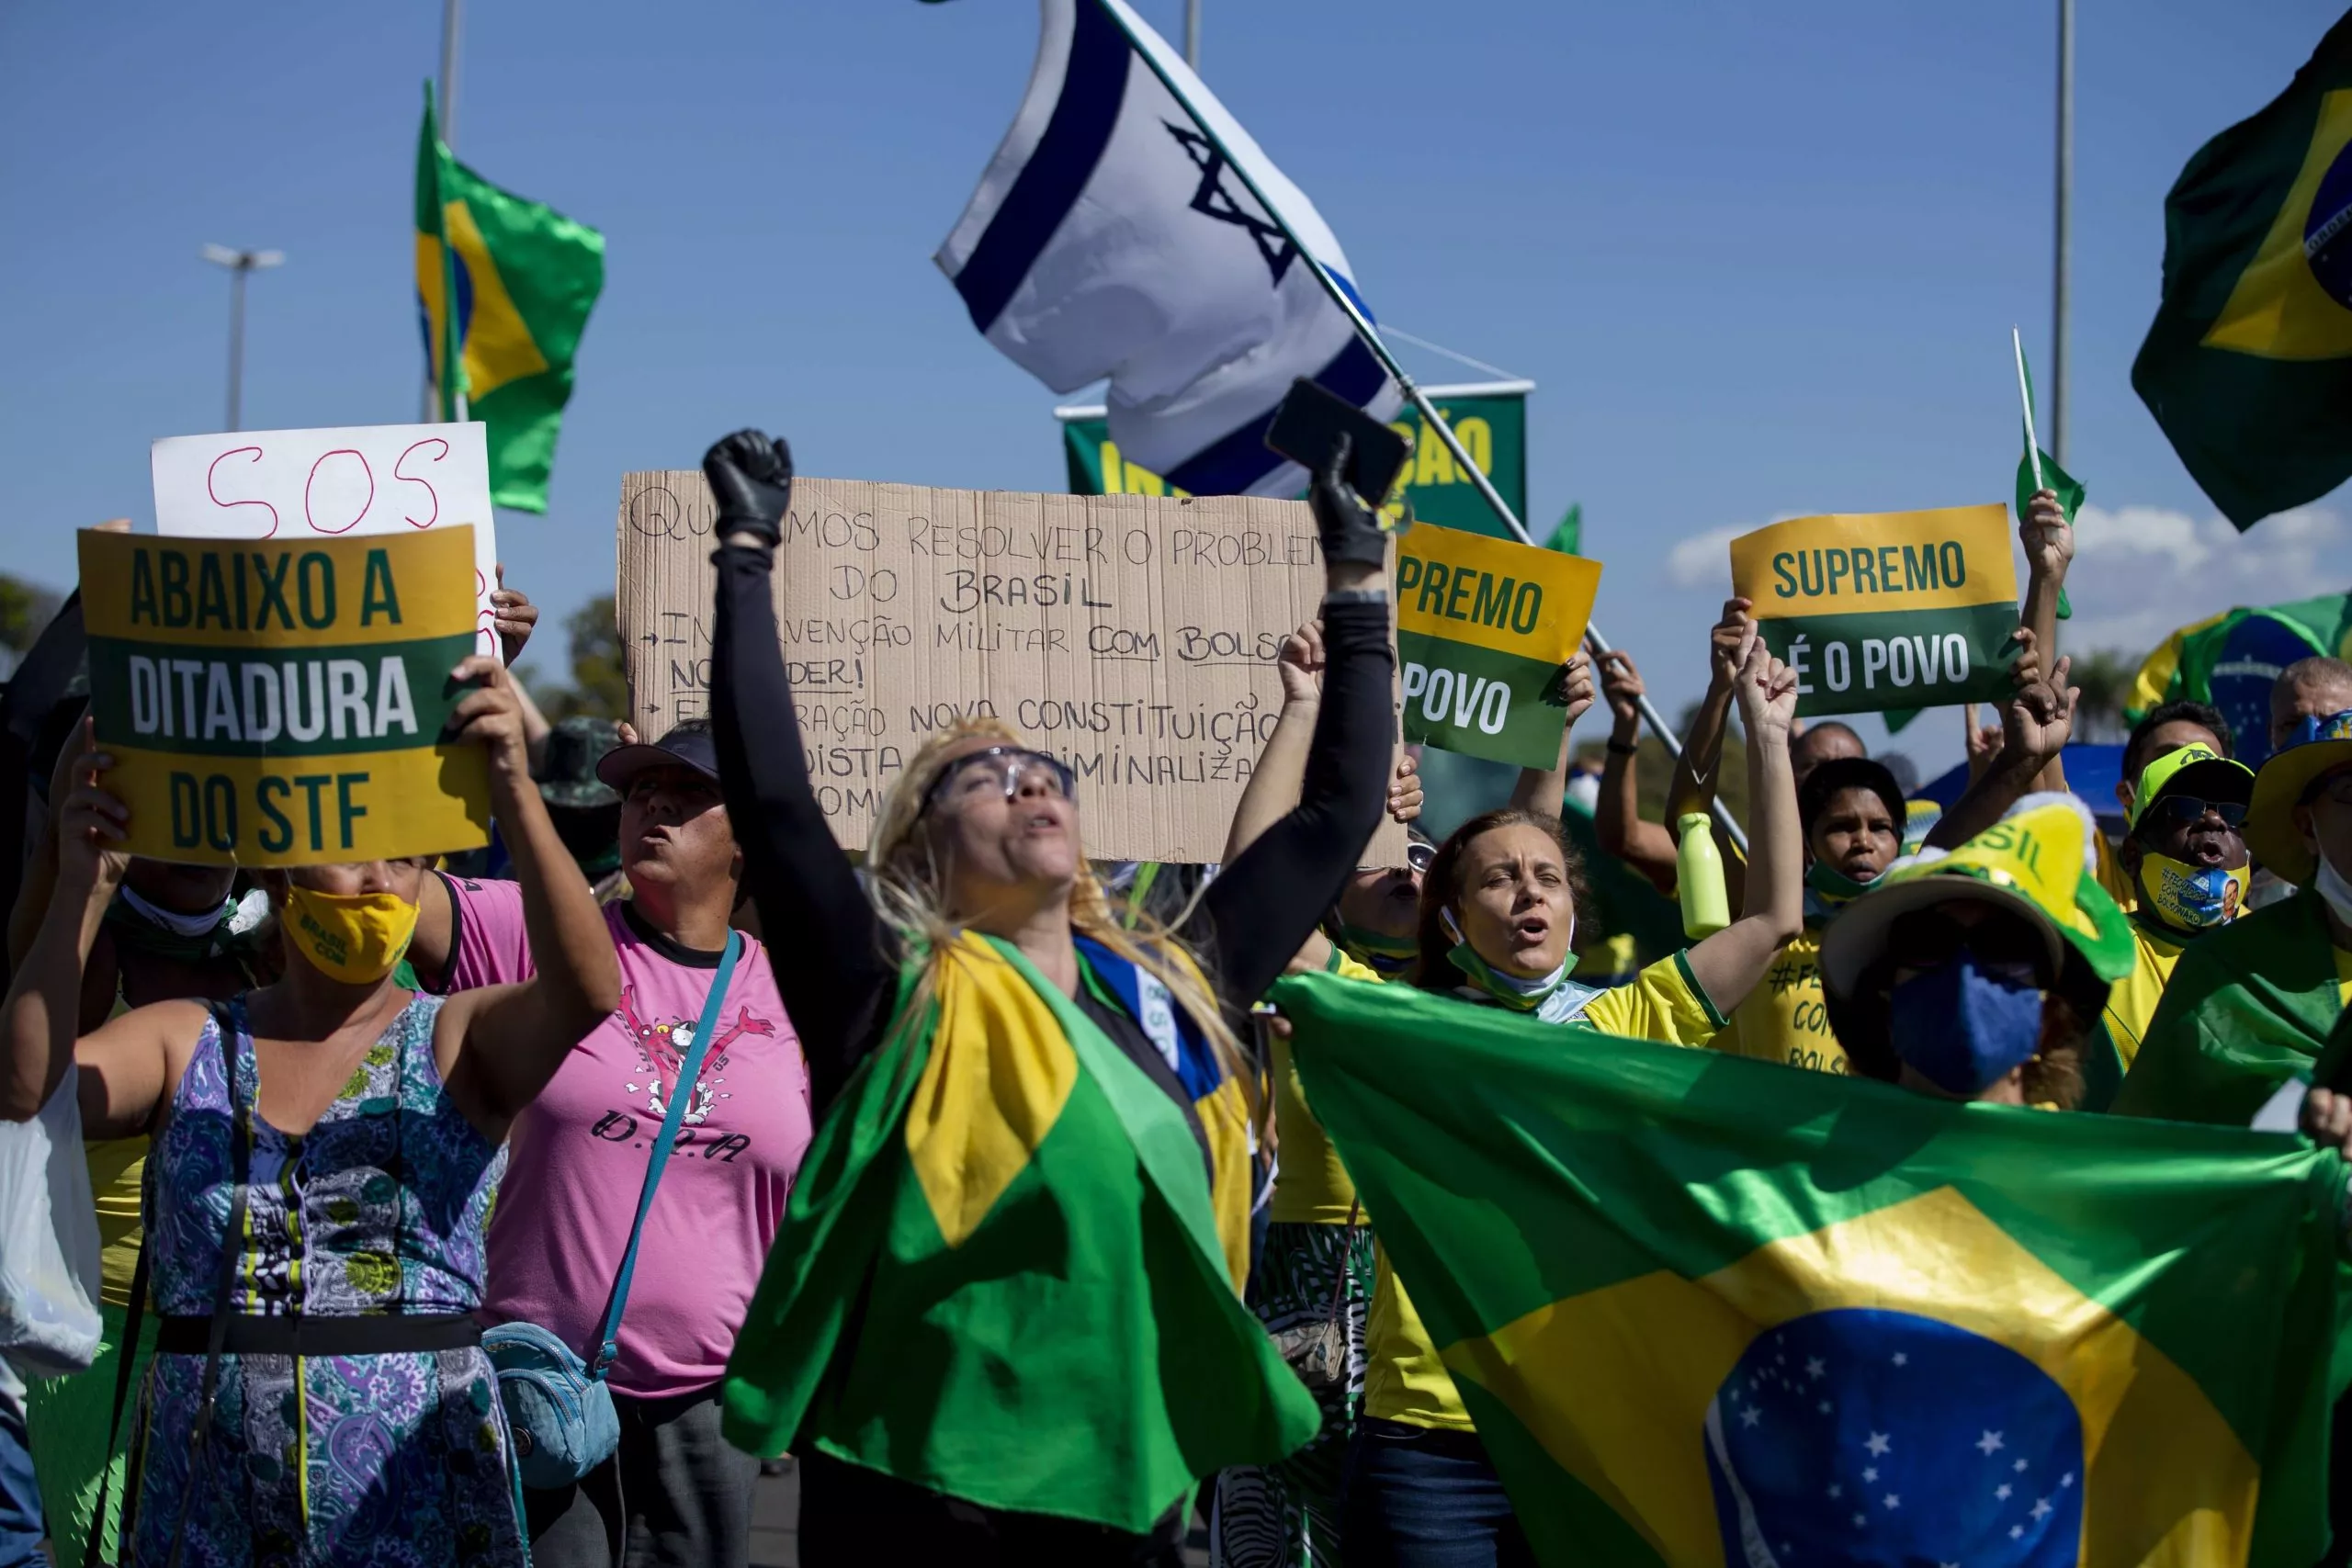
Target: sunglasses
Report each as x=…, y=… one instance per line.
x=2006, y=948
x=1417, y=857
x=1001, y=770
x=2189, y=809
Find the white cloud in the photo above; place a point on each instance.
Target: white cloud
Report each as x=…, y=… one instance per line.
x=1703, y=560
x=2142, y=572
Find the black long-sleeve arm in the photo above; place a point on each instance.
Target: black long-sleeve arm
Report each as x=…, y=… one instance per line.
x=1255, y=915
x=836, y=965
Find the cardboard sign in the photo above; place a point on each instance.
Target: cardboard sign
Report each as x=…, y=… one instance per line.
x=1132, y=637
x=290, y=486
x=1483, y=626
x=1885, y=610
x=283, y=703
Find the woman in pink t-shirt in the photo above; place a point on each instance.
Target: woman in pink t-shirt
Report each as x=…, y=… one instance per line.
x=578, y=1157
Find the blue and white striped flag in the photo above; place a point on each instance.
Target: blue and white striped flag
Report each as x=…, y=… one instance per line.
x=1110, y=237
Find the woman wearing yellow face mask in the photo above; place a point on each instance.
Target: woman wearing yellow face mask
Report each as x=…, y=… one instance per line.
x=324, y=1151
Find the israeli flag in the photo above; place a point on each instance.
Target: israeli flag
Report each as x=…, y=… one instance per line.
x=1110, y=237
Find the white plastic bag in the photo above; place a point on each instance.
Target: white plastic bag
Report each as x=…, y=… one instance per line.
x=48, y=1240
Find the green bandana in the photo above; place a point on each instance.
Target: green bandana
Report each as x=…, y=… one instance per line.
x=1828, y=890
x=1377, y=950
x=1521, y=996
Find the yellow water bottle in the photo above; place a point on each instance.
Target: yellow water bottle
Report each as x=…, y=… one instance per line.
x=1699, y=867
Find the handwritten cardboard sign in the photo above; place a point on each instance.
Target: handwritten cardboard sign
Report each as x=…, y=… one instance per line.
x=287, y=486
x=1885, y=610
x=1483, y=626
x=1134, y=637
x=283, y=703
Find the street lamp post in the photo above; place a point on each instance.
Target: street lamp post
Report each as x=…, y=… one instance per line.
x=242, y=265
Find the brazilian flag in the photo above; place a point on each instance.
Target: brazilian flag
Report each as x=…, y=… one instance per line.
x=2249, y=366
x=2231, y=659
x=523, y=277
x=1708, y=1311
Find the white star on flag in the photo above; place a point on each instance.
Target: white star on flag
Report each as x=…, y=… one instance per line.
x=1901, y=1360
x=2019, y=1467
x=1814, y=1367
x=1990, y=1444
x=1878, y=1444
x=1895, y=1499
x=2001, y=1492
x=1751, y=1415
x=1870, y=1472
x=2016, y=1531
x=2040, y=1509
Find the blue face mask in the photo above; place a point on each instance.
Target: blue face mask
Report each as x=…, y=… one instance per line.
x=1963, y=1028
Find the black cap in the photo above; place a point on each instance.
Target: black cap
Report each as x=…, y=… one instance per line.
x=688, y=745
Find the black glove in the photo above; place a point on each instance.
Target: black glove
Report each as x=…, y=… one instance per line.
x=1351, y=530
x=751, y=478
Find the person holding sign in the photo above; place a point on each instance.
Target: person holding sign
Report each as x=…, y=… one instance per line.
x=1031, y=1173
x=319, y=1383
x=1499, y=909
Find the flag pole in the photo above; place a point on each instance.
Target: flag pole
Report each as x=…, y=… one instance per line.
x=1370, y=335
x=446, y=128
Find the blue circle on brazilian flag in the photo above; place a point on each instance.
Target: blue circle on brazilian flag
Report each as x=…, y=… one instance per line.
x=2327, y=231
x=1861, y=1436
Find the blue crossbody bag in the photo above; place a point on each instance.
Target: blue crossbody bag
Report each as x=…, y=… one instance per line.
x=558, y=1406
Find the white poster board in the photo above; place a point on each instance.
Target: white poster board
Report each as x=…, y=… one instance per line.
x=367, y=479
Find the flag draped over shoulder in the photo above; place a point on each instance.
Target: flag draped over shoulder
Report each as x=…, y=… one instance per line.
x=2248, y=365
x=1709, y=1310
x=1113, y=236
x=523, y=277
x=1000, y=1276
x=2231, y=659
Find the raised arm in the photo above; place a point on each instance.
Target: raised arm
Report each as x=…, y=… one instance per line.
x=1617, y=822
x=1281, y=773
x=835, y=964
x=500, y=1045
x=1543, y=790
x=1729, y=964
x=124, y=1062
x=2035, y=723
x=1256, y=914
x=1698, y=773
x=2049, y=552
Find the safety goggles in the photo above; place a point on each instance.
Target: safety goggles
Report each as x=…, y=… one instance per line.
x=1001, y=770
x=1418, y=856
x=2005, y=947
x=2189, y=809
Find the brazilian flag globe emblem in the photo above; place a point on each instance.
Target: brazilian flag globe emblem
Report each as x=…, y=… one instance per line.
x=2248, y=365
x=503, y=290
x=1710, y=1311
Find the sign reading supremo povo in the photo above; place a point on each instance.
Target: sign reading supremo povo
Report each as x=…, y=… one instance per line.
x=285, y=703
x=1885, y=610
x=1483, y=626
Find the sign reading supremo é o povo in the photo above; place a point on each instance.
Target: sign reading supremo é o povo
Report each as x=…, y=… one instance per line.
x=285, y=703
x=1885, y=610
x=1483, y=626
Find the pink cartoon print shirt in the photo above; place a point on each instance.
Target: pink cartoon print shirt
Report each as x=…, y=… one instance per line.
x=577, y=1154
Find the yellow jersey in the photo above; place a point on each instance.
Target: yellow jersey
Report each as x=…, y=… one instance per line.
x=1786, y=1019
x=1311, y=1187
x=1404, y=1380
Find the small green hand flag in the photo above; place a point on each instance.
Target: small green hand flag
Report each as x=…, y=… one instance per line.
x=2068, y=488
x=1568, y=537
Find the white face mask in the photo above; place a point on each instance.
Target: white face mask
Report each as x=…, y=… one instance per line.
x=2330, y=885
x=171, y=920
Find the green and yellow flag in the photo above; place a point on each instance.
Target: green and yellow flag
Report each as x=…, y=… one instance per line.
x=524, y=277
x=1001, y=1277
x=1707, y=1311
x=2248, y=366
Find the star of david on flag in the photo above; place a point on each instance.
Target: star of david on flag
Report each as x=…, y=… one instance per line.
x=1112, y=235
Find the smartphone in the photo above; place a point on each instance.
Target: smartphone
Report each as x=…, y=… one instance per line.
x=1307, y=427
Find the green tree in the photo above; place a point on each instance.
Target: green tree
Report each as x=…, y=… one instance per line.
x=23, y=610
x=599, y=687
x=2104, y=677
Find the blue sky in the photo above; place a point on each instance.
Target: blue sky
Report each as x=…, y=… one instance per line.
x=1762, y=261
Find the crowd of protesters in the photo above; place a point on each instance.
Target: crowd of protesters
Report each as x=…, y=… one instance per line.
x=354, y=1129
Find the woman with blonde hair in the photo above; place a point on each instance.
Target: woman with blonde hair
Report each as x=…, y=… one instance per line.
x=1002, y=1319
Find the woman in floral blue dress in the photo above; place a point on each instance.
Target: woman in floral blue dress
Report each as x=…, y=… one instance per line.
x=348, y=1133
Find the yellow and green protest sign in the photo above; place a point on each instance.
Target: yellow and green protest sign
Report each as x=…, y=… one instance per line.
x=1885, y=610
x=1483, y=626
x=273, y=703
